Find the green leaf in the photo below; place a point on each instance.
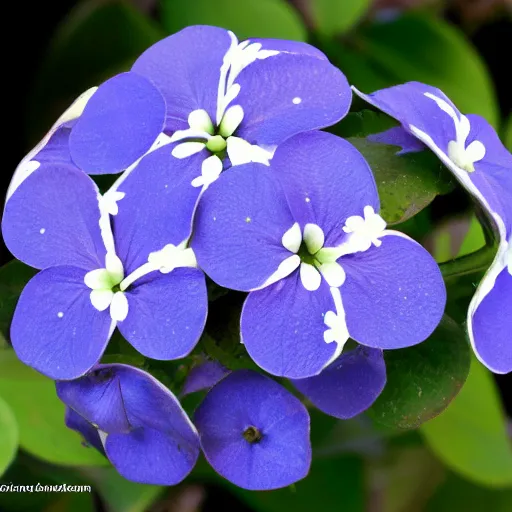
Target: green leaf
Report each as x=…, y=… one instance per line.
x=119, y=494
x=406, y=183
x=8, y=436
x=470, y=436
x=468, y=497
x=262, y=18
x=332, y=482
x=96, y=40
x=13, y=278
x=435, y=53
x=333, y=17
x=363, y=123
x=40, y=415
x=424, y=379
x=474, y=239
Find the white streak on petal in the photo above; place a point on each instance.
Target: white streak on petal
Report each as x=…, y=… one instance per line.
x=310, y=277
x=101, y=299
x=119, y=307
x=292, y=238
x=337, y=324
x=333, y=273
x=103, y=437
x=242, y=152
x=285, y=268
x=211, y=169
x=187, y=149
x=313, y=237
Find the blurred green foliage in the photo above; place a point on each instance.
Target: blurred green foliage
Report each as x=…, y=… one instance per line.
x=372, y=462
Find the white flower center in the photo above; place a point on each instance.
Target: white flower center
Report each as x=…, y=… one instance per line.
x=108, y=284
x=461, y=155
x=305, y=246
x=362, y=233
x=218, y=137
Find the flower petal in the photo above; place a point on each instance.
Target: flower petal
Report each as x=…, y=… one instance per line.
x=239, y=226
x=186, y=69
x=161, y=446
x=54, y=146
x=119, y=124
x=398, y=136
x=394, y=295
x=244, y=399
x=284, y=46
x=203, y=376
x=282, y=327
x=409, y=105
x=493, y=174
x=76, y=422
x=326, y=180
x=150, y=456
x=157, y=207
x=55, y=328
x=97, y=397
x=53, y=219
x=349, y=385
x=491, y=325
x=167, y=313
x=287, y=94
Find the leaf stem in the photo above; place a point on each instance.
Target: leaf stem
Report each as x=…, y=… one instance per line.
x=478, y=261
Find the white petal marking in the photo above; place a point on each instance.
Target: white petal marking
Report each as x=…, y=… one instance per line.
x=211, y=169
x=475, y=151
x=119, y=307
x=337, y=324
x=313, y=237
x=187, y=149
x=98, y=279
x=231, y=120
x=114, y=266
x=242, y=152
x=333, y=273
x=292, y=239
x=101, y=299
x=285, y=268
x=200, y=121
x=310, y=277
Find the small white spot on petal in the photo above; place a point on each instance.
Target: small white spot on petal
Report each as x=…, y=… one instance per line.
x=60, y=314
x=308, y=200
x=42, y=231
x=297, y=100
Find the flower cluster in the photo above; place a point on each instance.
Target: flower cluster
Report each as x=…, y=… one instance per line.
x=224, y=174
x=471, y=150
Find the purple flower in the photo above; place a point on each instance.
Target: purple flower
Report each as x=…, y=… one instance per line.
x=254, y=433
x=117, y=259
x=136, y=421
x=210, y=92
x=54, y=145
x=472, y=151
x=305, y=238
x=203, y=376
x=349, y=385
